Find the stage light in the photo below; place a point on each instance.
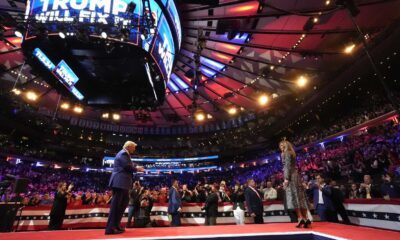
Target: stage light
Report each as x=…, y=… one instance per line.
x=116, y=116
x=275, y=95
x=78, y=109
x=19, y=31
x=232, y=110
x=263, y=100
x=16, y=91
x=61, y=34
x=301, y=81
x=310, y=23
x=104, y=35
x=105, y=115
x=209, y=116
x=65, y=106
x=349, y=48
x=327, y=2
x=199, y=116
x=31, y=96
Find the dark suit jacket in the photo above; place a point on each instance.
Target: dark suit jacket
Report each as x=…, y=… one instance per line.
x=174, y=201
x=337, y=198
x=238, y=199
x=211, y=205
x=375, y=192
x=121, y=176
x=326, y=196
x=253, y=202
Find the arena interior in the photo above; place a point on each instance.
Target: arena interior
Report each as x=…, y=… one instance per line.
x=200, y=119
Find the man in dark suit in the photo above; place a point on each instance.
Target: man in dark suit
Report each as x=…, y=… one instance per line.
x=368, y=189
x=121, y=182
x=337, y=201
x=254, y=202
x=175, y=204
x=322, y=198
x=211, y=207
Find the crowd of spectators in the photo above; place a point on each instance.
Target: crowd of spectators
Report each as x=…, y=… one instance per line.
x=371, y=155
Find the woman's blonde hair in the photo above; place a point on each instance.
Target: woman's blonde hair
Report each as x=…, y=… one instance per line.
x=288, y=147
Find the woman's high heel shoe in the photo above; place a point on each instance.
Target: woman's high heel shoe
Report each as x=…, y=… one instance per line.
x=301, y=223
x=307, y=224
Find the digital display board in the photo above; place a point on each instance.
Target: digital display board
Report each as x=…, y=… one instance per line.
x=164, y=49
x=109, y=16
x=177, y=22
x=65, y=74
x=62, y=72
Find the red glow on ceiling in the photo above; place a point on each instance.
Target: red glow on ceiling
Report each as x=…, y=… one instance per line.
x=15, y=40
x=229, y=47
x=221, y=56
x=188, y=80
x=247, y=8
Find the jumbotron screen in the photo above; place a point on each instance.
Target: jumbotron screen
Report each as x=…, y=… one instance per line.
x=161, y=40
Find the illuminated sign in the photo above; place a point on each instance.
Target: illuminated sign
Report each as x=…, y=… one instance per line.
x=93, y=11
x=62, y=72
x=175, y=17
x=94, y=14
x=164, y=49
x=43, y=59
x=166, y=170
x=65, y=74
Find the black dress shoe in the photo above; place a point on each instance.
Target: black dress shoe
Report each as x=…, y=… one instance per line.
x=114, y=231
x=122, y=229
x=301, y=223
x=307, y=224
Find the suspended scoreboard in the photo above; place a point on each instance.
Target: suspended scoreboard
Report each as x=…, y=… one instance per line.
x=161, y=39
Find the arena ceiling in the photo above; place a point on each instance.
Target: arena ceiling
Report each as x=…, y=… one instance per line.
x=270, y=53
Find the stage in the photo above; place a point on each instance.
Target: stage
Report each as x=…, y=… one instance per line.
x=287, y=231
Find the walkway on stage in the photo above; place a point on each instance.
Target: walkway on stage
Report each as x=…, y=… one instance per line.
x=251, y=231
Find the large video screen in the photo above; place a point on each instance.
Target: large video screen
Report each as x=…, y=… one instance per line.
x=162, y=40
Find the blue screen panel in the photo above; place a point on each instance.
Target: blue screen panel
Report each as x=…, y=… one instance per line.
x=65, y=74
x=175, y=17
x=43, y=59
x=164, y=48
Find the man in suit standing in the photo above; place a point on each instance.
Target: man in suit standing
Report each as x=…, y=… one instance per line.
x=322, y=197
x=120, y=182
x=337, y=201
x=211, y=207
x=254, y=202
x=175, y=204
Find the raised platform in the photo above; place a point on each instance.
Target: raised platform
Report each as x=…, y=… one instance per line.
x=286, y=231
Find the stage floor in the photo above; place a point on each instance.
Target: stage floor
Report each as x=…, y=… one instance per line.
x=250, y=231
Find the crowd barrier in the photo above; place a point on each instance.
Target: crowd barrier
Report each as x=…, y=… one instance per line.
x=374, y=213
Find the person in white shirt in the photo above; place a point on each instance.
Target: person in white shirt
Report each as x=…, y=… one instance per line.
x=270, y=192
